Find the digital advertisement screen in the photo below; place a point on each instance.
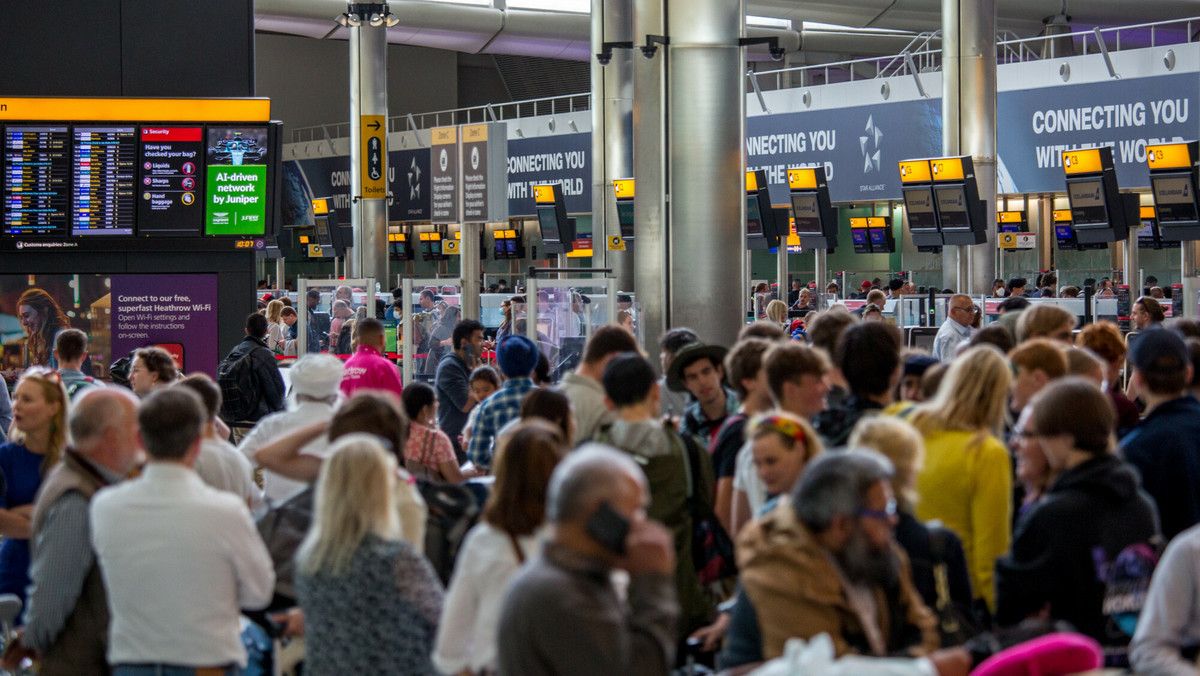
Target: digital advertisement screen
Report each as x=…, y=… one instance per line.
x=120, y=313
x=918, y=205
x=807, y=213
x=1087, y=203
x=170, y=184
x=952, y=205
x=37, y=180
x=1174, y=199
x=104, y=170
x=548, y=222
x=236, y=185
x=754, y=224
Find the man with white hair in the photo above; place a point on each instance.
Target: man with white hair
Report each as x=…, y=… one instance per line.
x=67, y=619
x=561, y=614
x=315, y=381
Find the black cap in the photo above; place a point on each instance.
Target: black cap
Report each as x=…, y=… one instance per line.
x=1159, y=350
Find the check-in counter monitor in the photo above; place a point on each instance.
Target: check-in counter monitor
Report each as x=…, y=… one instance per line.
x=1149, y=235
x=558, y=231
x=1064, y=233
x=399, y=247
x=815, y=220
x=508, y=245
x=962, y=216
x=762, y=231
x=920, y=208
x=1099, y=212
x=623, y=189
x=431, y=246
x=1174, y=178
x=872, y=235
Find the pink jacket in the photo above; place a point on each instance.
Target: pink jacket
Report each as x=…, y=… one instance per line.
x=369, y=370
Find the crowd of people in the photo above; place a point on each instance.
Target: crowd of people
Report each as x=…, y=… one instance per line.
x=1025, y=495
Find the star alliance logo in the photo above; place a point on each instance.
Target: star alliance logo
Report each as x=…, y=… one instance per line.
x=869, y=144
x=414, y=181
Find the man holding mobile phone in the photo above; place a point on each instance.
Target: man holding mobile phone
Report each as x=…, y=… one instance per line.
x=452, y=381
x=561, y=614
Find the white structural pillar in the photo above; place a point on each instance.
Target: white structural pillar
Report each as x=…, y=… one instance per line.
x=368, y=24
x=651, y=271
x=706, y=121
x=969, y=126
x=612, y=131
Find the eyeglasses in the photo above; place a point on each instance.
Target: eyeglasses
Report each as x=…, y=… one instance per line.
x=965, y=309
x=886, y=514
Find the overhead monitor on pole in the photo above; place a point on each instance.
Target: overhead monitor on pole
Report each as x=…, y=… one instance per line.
x=762, y=229
x=962, y=216
x=558, y=232
x=815, y=218
x=1174, y=178
x=1099, y=212
x=623, y=189
x=920, y=208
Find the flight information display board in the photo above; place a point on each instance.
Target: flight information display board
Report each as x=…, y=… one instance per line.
x=37, y=180
x=103, y=169
x=171, y=187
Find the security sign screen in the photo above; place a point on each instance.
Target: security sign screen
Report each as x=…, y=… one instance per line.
x=236, y=187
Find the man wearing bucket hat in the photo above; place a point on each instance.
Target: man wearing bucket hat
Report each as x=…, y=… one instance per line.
x=315, y=380
x=517, y=357
x=697, y=369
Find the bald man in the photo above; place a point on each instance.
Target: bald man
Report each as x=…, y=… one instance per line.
x=960, y=313
x=67, y=617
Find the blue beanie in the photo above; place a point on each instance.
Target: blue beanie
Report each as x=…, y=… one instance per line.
x=517, y=356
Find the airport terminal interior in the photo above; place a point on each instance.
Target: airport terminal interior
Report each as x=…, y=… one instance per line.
x=431, y=220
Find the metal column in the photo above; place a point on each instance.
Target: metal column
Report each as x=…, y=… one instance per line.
x=471, y=270
x=706, y=121
x=612, y=132
x=781, y=269
x=368, y=96
x=969, y=124
x=652, y=272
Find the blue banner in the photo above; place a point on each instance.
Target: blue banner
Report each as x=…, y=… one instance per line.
x=859, y=147
x=1035, y=126
x=564, y=159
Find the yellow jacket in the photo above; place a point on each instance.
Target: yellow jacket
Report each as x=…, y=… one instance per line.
x=966, y=483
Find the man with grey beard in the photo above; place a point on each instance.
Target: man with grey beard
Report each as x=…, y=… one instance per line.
x=826, y=562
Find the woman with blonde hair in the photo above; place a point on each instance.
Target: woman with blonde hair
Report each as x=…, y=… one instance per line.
x=967, y=479
x=38, y=437
x=777, y=311
x=782, y=446
x=902, y=444
x=354, y=570
x=275, y=327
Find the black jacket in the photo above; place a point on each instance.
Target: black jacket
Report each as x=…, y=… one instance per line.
x=1165, y=448
x=1063, y=545
x=267, y=379
x=914, y=537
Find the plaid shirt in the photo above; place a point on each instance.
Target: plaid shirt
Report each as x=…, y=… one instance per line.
x=495, y=412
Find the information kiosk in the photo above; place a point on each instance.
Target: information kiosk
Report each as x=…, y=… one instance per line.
x=1174, y=178
x=1099, y=212
x=815, y=218
x=558, y=232
x=623, y=189
x=763, y=227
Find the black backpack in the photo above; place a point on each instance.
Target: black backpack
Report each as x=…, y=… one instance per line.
x=239, y=395
x=453, y=510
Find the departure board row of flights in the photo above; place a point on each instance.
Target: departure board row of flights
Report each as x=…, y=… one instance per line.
x=126, y=179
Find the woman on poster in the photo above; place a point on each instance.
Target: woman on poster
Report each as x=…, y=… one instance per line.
x=42, y=319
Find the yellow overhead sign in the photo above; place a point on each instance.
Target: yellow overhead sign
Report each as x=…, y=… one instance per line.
x=915, y=171
x=1062, y=215
x=623, y=188
x=320, y=206
x=1011, y=216
x=751, y=182
x=445, y=136
x=373, y=161
x=946, y=168
x=431, y=236
x=802, y=179
x=473, y=133
x=859, y=223
x=1169, y=156
x=876, y=222
x=1082, y=161
x=132, y=109
x=543, y=194
x=1147, y=212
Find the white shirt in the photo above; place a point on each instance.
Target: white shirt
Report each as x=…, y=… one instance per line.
x=180, y=560
x=271, y=428
x=222, y=467
x=466, y=637
x=947, y=339
x=745, y=479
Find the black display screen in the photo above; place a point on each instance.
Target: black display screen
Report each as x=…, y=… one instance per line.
x=510, y=247
x=37, y=180
x=1063, y=231
x=1146, y=235
x=170, y=186
x=952, y=205
x=625, y=218
x=104, y=171
x=1174, y=199
x=1088, y=208
x=323, y=236
x=878, y=238
x=807, y=213
x=754, y=225
x=918, y=205
x=859, y=236
x=548, y=222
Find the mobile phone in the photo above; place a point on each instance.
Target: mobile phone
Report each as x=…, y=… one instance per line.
x=609, y=528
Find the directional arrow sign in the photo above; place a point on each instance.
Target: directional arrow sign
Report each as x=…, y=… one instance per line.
x=373, y=160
